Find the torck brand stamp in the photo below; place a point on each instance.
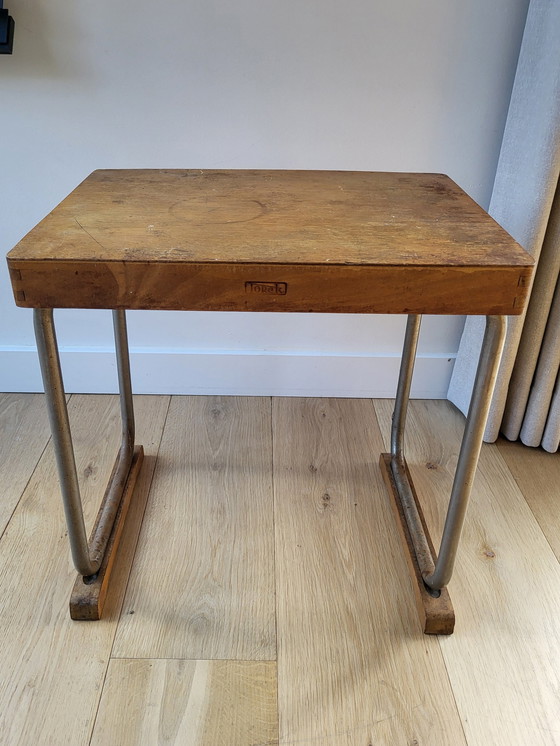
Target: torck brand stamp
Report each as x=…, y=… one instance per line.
x=267, y=288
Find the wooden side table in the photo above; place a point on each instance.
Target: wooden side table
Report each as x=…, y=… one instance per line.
x=312, y=241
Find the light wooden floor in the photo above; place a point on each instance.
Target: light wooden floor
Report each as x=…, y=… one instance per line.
x=269, y=601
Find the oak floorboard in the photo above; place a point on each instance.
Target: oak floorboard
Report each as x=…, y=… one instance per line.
x=191, y=703
x=202, y=586
x=354, y=668
x=537, y=474
x=24, y=433
x=52, y=667
x=504, y=658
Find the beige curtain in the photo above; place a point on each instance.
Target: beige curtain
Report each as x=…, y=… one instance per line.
x=526, y=201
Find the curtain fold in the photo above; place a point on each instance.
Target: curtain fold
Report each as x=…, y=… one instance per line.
x=523, y=201
x=536, y=418
x=536, y=367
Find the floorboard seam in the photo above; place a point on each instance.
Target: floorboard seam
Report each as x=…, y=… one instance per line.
x=118, y=612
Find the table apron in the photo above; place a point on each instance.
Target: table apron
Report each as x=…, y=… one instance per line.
x=285, y=288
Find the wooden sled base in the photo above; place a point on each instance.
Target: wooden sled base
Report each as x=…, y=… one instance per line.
x=87, y=599
x=436, y=614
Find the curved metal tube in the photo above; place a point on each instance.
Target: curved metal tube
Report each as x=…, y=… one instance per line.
x=118, y=478
x=487, y=371
x=398, y=463
x=403, y=387
x=87, y=558
x=437, y=573
x=49, y=360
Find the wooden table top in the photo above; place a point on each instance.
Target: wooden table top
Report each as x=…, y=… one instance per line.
x=271, y=241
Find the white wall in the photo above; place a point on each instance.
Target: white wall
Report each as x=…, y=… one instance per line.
x=402, y=85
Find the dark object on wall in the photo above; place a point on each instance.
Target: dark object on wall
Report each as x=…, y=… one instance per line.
x=7, y=26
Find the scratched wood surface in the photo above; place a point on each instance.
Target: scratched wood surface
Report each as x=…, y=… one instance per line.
x=503, y=660
x=292, y=217
x=271, y=240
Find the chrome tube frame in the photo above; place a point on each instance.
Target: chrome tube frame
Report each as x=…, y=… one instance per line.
x=87, y=557
x=436, y=573
x=398, y=462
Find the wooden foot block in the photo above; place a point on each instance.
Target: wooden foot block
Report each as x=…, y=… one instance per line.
x=87, y=599
x=436, y=614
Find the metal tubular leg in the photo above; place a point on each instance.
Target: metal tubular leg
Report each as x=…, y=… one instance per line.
x=62, y=439
x=487, y=371
x=437, y=573
x=403, y=387
x=124, y=461
x=398, y=464
x=87, y=559
x=125, y=384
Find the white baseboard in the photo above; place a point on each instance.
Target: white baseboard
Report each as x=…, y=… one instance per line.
x=230, y=373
